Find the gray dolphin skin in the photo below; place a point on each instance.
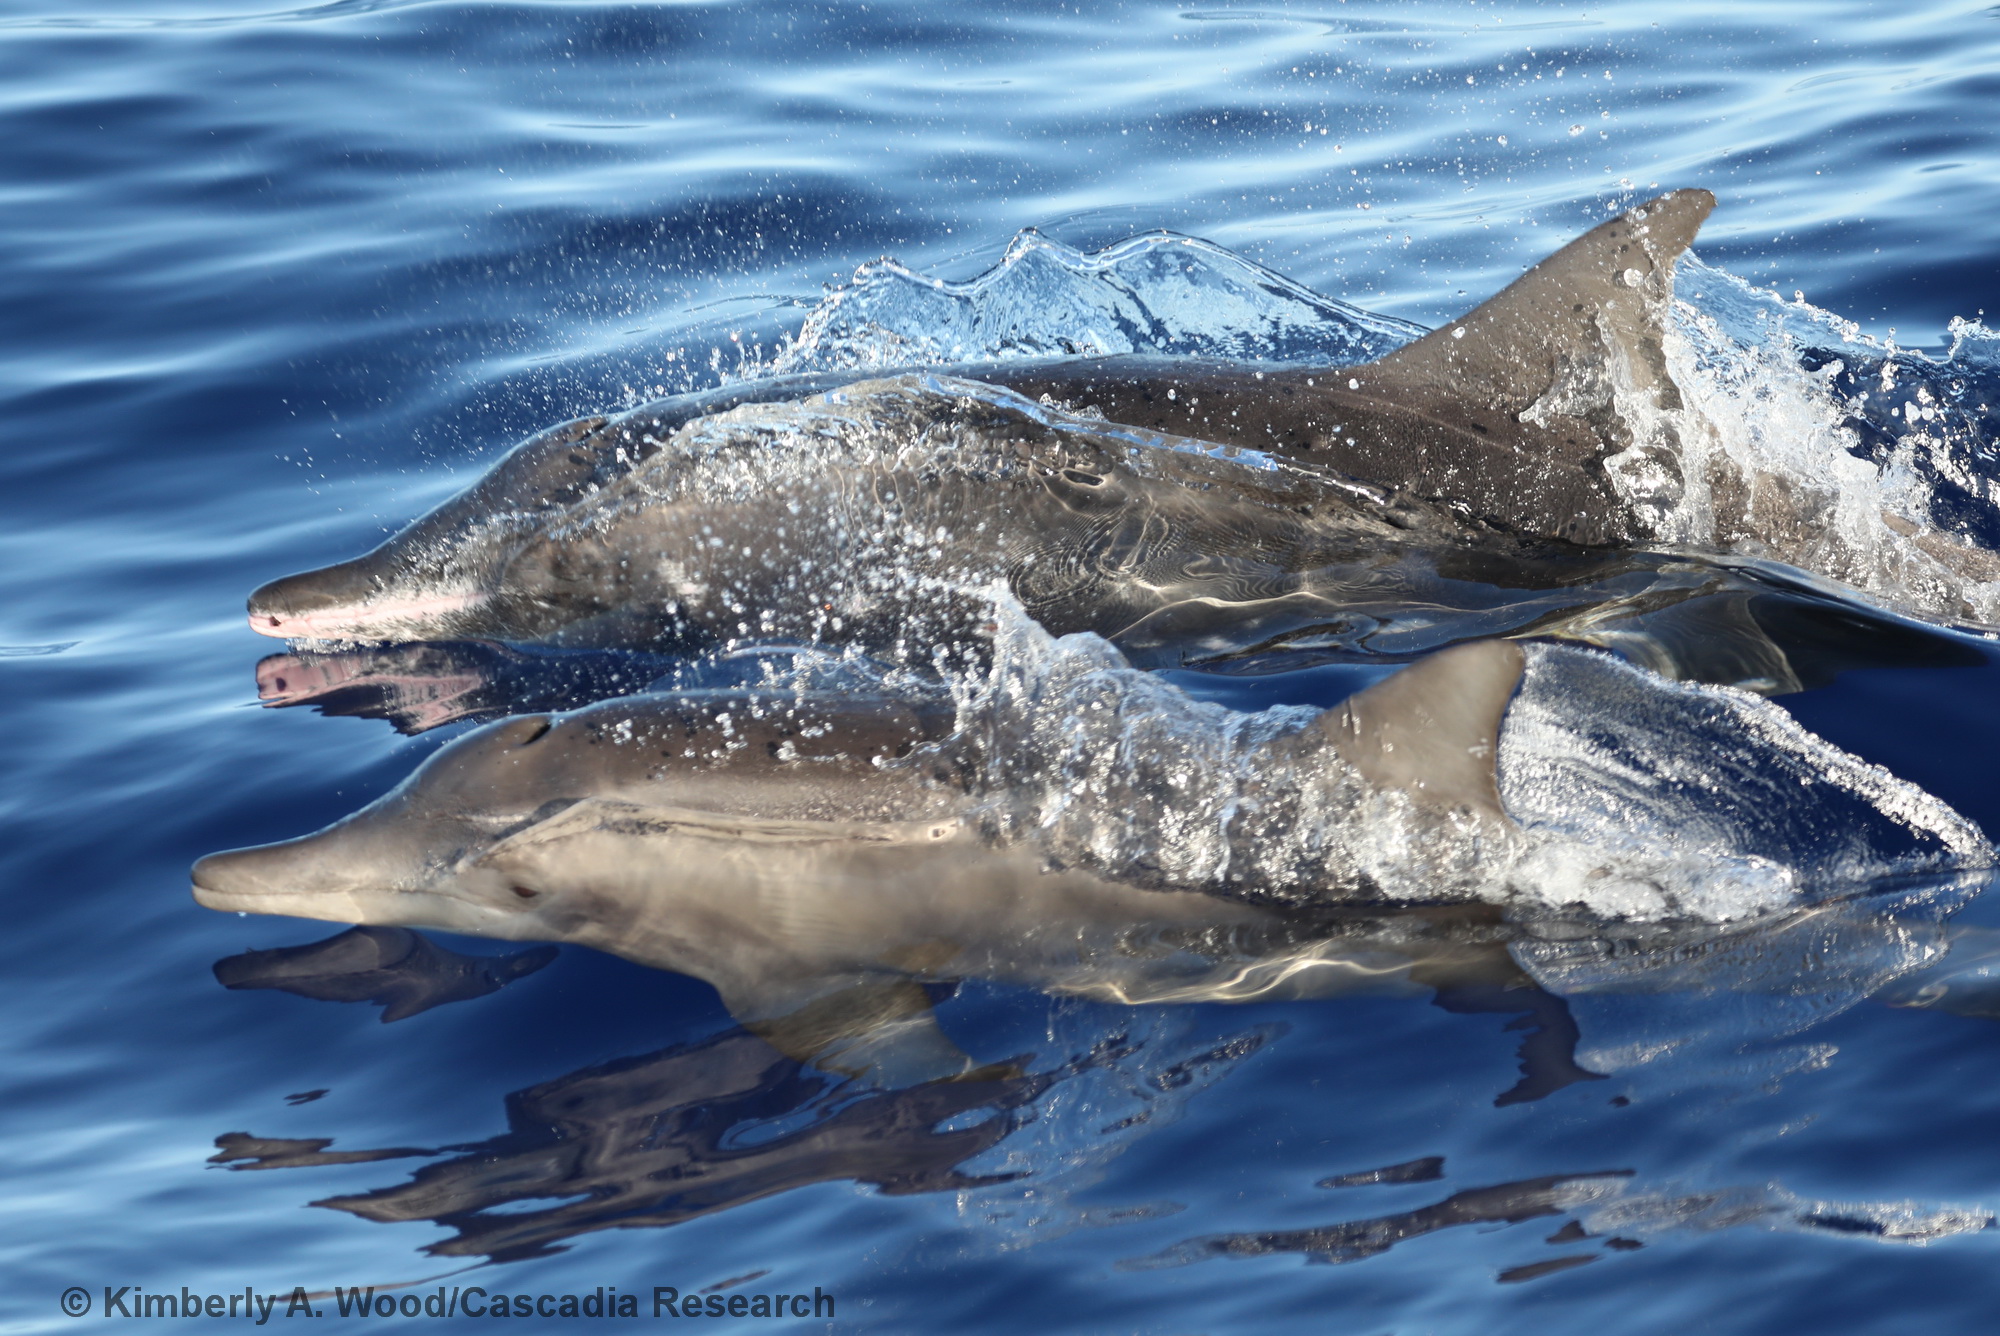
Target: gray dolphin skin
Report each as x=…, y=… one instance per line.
x=1501, y=424
x=813, y=859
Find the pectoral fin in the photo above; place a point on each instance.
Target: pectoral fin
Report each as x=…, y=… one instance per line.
x=886, y=1033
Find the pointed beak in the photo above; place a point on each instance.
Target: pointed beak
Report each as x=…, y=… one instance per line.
x=271, y=879
x=349, y=602
x=310, y=603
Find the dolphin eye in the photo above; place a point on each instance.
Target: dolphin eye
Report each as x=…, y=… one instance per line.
x=524, y=892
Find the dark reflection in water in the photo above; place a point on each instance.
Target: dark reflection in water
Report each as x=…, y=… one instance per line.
x=1490, y=982
x=668, y=1137
x=1599, y=1196
x=1426, y=1170
x=1681, y=618
x=241, y=1150
x=1350, y=1241
x=401, y=971
x=419, y=686
x=689, y=1131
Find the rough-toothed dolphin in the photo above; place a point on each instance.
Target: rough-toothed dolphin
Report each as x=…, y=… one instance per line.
x=886, y=514
x=808, y=858
x=1503, y=421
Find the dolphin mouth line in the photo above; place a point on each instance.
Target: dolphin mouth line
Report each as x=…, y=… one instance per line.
x=358, y=620
x=286, y=903
x=411, y=909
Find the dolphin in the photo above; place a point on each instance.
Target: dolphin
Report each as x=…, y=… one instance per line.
x=1086, y=828
x=885, y=515
x=1507, y=421
x=817, y=859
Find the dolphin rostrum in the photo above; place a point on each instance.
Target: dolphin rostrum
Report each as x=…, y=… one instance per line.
x=1506, y=421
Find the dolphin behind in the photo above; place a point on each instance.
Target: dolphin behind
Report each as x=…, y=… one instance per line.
x=1503, y=419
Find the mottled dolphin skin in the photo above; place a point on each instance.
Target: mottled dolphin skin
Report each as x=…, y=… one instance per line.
x=1503, y=421
x=811, y=861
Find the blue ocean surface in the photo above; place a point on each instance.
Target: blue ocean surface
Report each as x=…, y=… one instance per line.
x=277, y=280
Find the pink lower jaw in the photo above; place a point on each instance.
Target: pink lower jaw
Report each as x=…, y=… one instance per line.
x=403, y=620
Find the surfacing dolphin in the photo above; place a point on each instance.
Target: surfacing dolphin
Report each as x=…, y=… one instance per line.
x=1504, y=421
x=815, y=860
x=1087, y=829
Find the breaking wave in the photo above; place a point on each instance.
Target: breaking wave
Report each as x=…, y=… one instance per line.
x=1157, y=293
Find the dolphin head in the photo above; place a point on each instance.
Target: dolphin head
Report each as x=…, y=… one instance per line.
x=485, y=836
x=368, y=598
x=431, y=580
x=413, y=857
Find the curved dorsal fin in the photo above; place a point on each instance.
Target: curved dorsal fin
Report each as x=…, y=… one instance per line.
x=1605, y=292
x=1432, y=730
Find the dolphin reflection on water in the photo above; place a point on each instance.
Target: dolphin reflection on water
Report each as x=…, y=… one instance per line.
x=667, y=1138
x=660, y=1140
x=404, y=972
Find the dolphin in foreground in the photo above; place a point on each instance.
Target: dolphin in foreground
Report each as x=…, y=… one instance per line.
x=1505, y=422
x=1087, y=829
x=817, y=863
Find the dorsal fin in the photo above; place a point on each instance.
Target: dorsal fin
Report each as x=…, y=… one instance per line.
x=1612, y=284
x=1432, y=730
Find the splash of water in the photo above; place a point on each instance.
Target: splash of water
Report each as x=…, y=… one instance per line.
x=1808, y=443
x=1157, y=293
x=1797, y=439
x=1632, y=798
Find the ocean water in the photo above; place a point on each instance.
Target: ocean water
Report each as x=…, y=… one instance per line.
x=277, y=280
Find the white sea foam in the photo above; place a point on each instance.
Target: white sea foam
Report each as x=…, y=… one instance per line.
x=1632, y=797
x=1884, y=485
